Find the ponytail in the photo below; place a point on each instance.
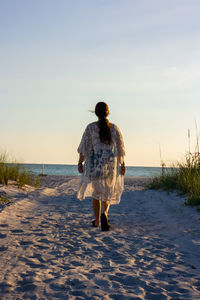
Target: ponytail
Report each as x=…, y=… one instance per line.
x=102, y=111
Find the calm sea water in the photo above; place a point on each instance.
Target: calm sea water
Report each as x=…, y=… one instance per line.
x=70, y=170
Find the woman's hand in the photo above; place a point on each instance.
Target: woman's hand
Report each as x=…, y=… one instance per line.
x=123, y=169
x=80, y=167
x=80, y=163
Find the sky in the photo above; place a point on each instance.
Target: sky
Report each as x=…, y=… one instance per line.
x=59, y=58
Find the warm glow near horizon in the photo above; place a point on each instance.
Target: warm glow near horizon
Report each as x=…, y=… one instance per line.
x=58, y=59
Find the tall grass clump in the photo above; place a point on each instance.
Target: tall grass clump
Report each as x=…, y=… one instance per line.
x=13, y=171
x=189, y=178
x=184, y=176
x=168, y=180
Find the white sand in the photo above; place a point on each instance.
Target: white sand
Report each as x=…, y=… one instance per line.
x=48, y=249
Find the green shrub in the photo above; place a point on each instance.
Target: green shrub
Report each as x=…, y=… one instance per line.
x=184, y=177
x=13, y=171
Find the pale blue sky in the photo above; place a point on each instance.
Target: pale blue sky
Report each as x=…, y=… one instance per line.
x=59, y=58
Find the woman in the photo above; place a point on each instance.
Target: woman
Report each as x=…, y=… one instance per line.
x=102, y=151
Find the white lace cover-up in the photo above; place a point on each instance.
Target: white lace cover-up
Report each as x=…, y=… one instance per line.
x=102, y=177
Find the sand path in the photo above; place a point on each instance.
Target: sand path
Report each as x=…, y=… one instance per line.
x=49, y=250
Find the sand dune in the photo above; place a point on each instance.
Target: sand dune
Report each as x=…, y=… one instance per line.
x=49, y=250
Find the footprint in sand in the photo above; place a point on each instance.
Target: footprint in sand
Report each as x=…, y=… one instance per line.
x=45, y=241
x=16, y=231
x=125, y=280
x=4, y=287
x=29, y=218
x=2, y=235
x=33, y=263
x=44, y=225
x=25, y=222
x=3, y=248
x=25, y=286
x=25, y=243
x=76, y=283
x=101, y=282
x=76, y=264
x=57, y=287
x=4, y=225
x=42, y=247
x=39, y=234
x=36, y=230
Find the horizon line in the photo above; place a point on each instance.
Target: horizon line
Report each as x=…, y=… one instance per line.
x=70, y=164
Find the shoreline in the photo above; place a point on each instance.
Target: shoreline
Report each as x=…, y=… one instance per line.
x=49, y=180
x=71, y=170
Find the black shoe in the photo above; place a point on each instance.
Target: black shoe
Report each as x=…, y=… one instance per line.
x=93, y=224
x=105, y=226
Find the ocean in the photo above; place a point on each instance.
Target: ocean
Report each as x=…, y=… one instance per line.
x=71, y=170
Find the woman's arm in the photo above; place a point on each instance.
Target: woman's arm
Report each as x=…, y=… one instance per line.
x=80, y=163
x=84, y=148
x=120, y=150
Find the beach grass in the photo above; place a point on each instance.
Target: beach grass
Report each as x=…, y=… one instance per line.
x=4, y=199
x=11, y=170
x=184, y=176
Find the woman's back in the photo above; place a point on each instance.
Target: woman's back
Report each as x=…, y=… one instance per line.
x=102, y=178
x=91, y=140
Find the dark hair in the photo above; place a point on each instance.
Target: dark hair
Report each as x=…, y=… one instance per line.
x=102, y=111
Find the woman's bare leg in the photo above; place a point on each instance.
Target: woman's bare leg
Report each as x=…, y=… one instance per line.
x=97, y=210
x=105, y=206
